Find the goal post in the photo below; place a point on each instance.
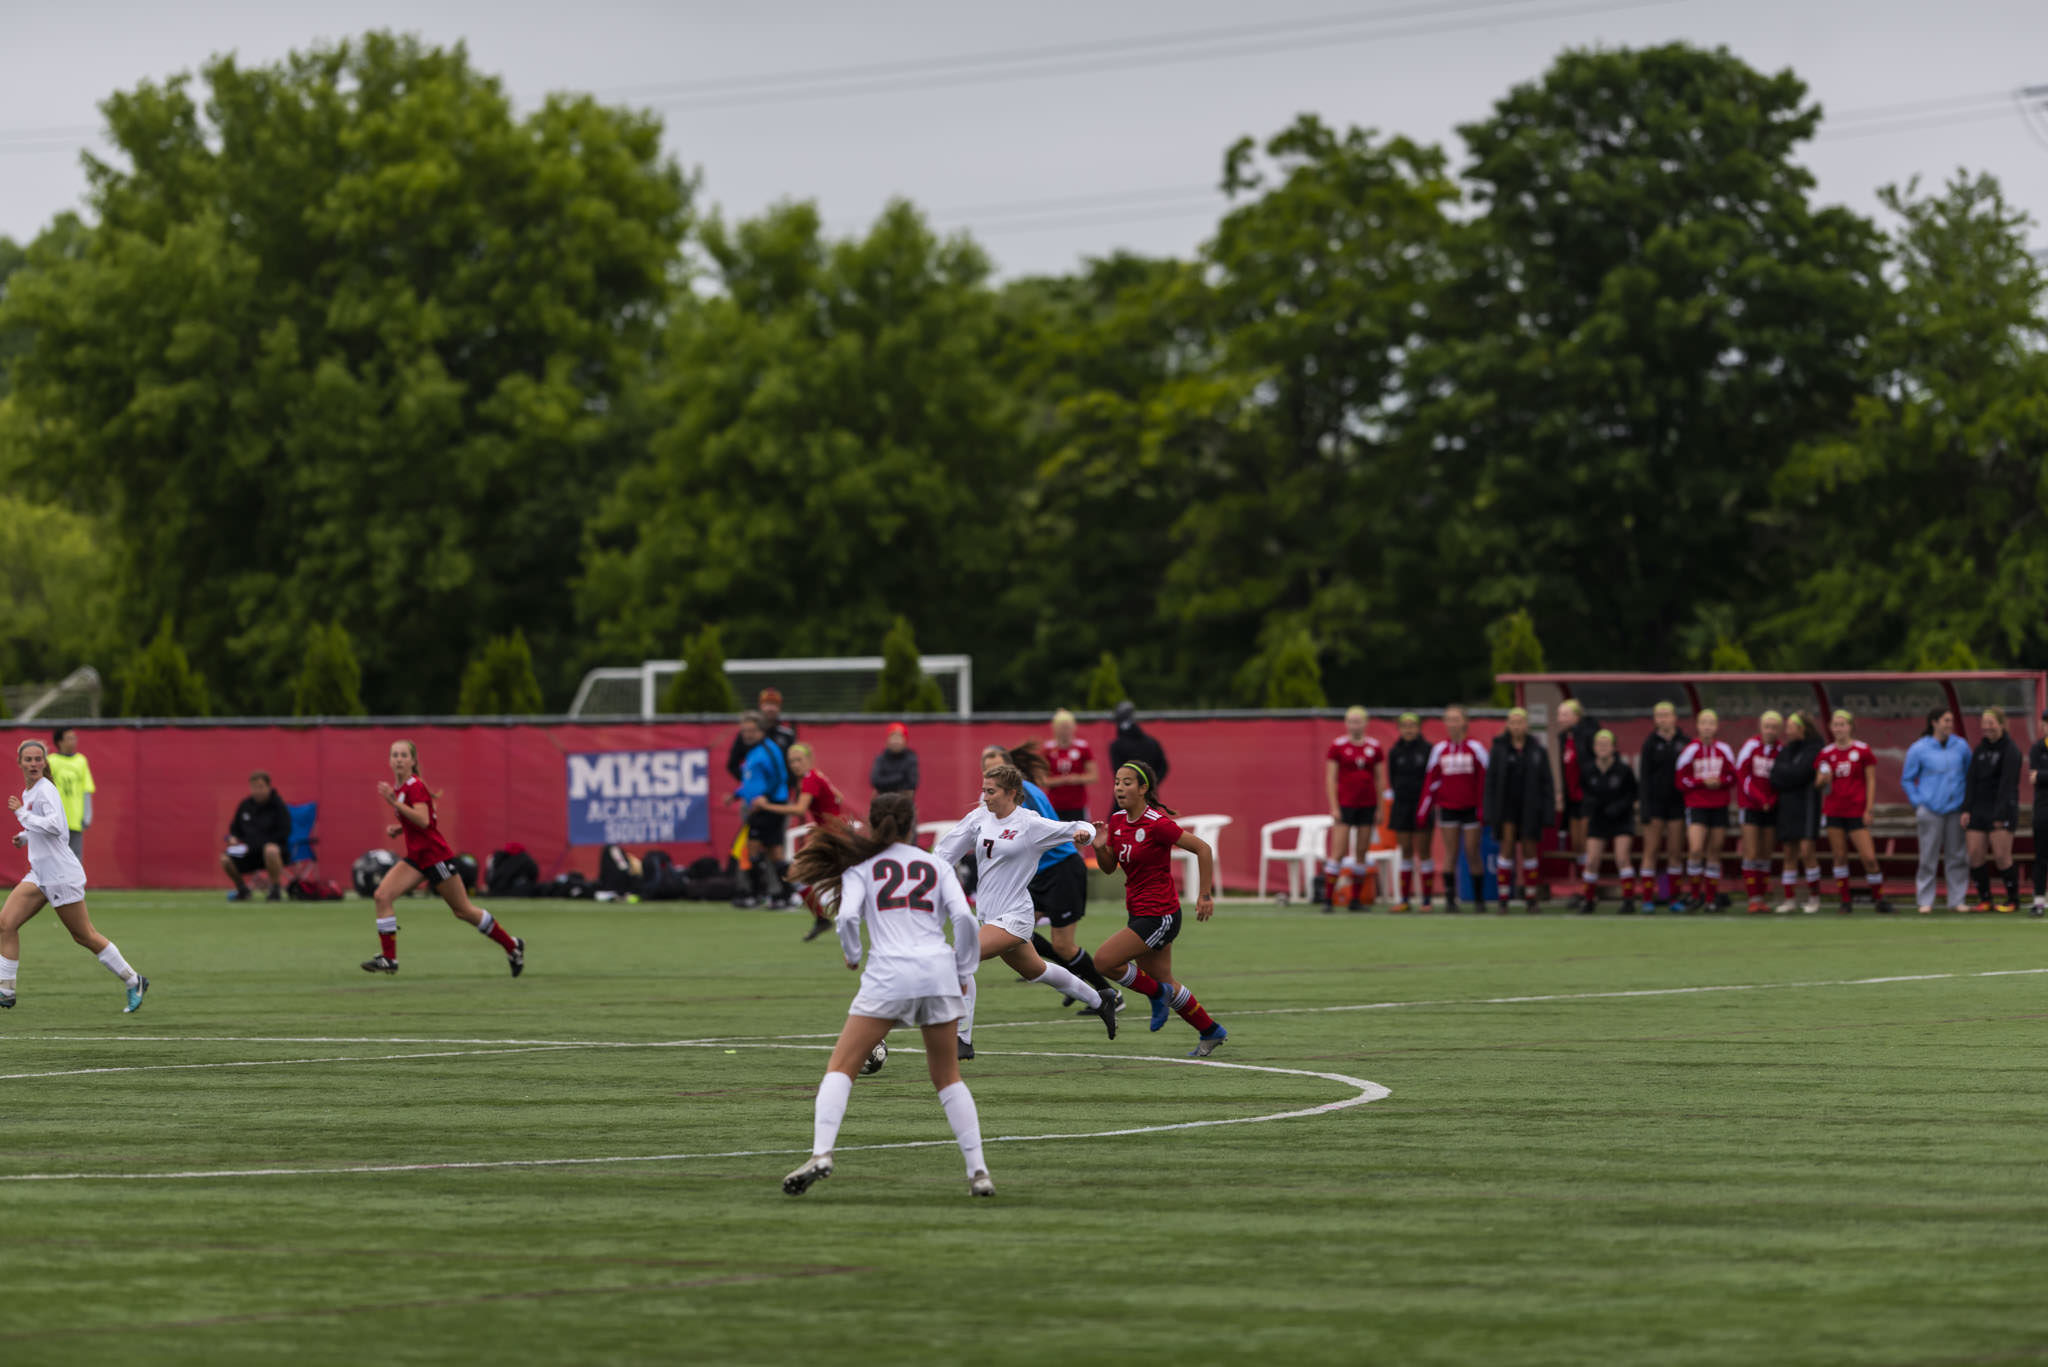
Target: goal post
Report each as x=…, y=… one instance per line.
x=815, y=686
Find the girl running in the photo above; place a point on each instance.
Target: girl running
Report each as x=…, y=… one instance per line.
x=1663, y=804
x=1059, y=890
x=1758, y=801
x=1847, y=778
x=1140, y=837
x=1792, y=778
x=1991, y=810
x=1520, y=802
x=913, y=977
x=1007, y=839
x=1610, y=804
x=427, y=860
x=1453, y=790
x=1407, y=767
x=1354, y=775
x=814, y=801
x=1706, y=775
x=55, y=879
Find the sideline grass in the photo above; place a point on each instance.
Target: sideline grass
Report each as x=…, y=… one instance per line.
x=1822, y=1174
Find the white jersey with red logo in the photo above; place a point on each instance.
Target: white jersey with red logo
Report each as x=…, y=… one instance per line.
x=1701, y=766
x=1753, y=790
x=1456, y=779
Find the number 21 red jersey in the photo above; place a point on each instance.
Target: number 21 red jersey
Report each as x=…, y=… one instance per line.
x=1144, y=850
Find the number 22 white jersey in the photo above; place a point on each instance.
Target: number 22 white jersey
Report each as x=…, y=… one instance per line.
x=907, y=897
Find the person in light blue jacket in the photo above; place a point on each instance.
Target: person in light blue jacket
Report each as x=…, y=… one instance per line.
x=764, y=779
x=1936, y=767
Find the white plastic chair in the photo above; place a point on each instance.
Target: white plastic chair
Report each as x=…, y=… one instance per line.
x=1386, y=867
x=1302, y=858
x=1210, y=829
x=790, y=838
x=935, y=829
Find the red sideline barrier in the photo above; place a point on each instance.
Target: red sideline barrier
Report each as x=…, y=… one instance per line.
x=166, y=794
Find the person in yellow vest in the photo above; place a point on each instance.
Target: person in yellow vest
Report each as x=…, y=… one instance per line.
x=73, y=777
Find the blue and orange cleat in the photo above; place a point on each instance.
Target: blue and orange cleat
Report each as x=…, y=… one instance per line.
x=1211, y=1041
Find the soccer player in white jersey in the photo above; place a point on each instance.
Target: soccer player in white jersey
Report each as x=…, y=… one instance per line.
x=913, y=977
x=1007, y=838
x=55, y=878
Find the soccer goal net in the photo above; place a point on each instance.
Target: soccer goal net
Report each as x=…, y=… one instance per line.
x=808, y=686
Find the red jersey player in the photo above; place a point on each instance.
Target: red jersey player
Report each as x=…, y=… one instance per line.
x=1759, y=803
x=1140, y=838
x=1070, y=769
x=427, y=860
x=1354, y=776
x=814, y=801
x=1706, y=780
x=1847, y=775
x=1453, y=791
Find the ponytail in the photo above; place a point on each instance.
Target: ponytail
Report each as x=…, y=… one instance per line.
x=834, y=847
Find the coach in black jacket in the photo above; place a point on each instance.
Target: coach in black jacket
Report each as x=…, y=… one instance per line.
x=1521, y=799
x=258, y=838
x=1132, y=743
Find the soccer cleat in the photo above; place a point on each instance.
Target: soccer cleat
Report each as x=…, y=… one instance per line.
x=819, y=925
x=380, y=964
x=1400, y=908
x=1788, y=906
x=2007, y=908
x=964, y=1051
x=2039, y=910
x=1884, y=908
x=1106, y=1013
x=1812, y=907
x=1450, y=906
x=1531, y=907
x=7, y=998
x=1680, y=907
x=749, y=903
x=140, y=986
x=815, y=1169
x=1210, y=1042
x=517, y=958
x=275, y=896
x=241, y=895
x=1161, y=1009
x=977, y=1185
x=1628, y=906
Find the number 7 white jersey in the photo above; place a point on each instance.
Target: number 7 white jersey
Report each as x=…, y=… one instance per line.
x=907, y=897
x=1006, y=850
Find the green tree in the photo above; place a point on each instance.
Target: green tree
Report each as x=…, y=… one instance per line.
x=702, y=686
x=1913, y=531
x=159, y=680
x=500, y=681
x=1105, y=685
x=349, y=337
x=1729, y=657
x=330, y=682
x=1515, y=649
x=58, y=580
x=838, y=441
x=904, y=686
x=1650, y=317
x=1289, y=674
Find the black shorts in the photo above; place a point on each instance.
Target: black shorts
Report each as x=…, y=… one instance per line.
x=1797, y=821
x=1457, y=816
x=1993, y=819
x=1574, y=808
x=1841, y=823
x=438, y=872
x=249, y=860
x=1079, y=813
x=1713, y=818
x=1358, y=816
x=1766, y=817
x=765, y=828
x=1663, y=807
x=1401, y=816
x=1600, y=829
x=1059, y=894
x=1156, y=931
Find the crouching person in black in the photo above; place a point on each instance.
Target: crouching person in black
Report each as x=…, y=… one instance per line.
x=257, y=839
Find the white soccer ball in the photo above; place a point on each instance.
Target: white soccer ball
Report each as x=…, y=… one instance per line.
x=877, y=1056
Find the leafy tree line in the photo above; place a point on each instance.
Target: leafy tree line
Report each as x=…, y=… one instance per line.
x=364, y=389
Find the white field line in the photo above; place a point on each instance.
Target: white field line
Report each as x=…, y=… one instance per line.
x=282, y=1062
x=1365, y=1092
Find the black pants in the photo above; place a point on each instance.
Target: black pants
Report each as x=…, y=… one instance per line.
x=2040, y=854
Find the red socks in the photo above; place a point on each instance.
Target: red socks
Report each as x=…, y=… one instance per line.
x=387, y=944
x=1191, y=1011
x=1139, y=980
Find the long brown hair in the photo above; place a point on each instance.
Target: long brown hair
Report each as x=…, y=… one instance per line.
x=1029, y=762
x=832, y=848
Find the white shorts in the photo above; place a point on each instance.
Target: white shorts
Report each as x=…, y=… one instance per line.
x=58, y=894
x=1020, y=923
x=912, y=1011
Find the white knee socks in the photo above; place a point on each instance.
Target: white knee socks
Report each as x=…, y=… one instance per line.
x=1065, y=982
x=967, y=1021
x=116, y=965
x=966, y=1122
x=831, y=1109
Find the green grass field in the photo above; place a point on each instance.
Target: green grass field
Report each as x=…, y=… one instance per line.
x=1814, y=1171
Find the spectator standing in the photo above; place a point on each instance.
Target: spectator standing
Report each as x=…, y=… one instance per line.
x=1520, y=802
x=2037, y=765
x=1132, y=743
x=1407, y=771
x=1663, y=805
x=1354, y=776
x=1575, y=732
x=257, y=839
x=783, y=733
x=1072, y=769
x=1991, y=809
x=764, y=779
x=1934, y=775
x=895, y=769
x=1792, y=778
x=73, y=777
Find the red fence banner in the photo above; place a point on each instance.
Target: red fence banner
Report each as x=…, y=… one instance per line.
x=165, y=793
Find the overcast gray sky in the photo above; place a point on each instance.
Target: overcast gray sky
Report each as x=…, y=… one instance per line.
x=1119, y=144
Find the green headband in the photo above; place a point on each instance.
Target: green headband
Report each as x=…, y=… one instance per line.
x=1141, y=771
